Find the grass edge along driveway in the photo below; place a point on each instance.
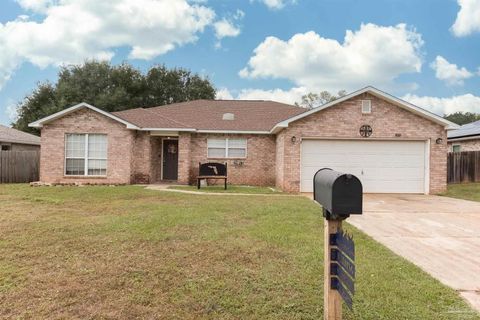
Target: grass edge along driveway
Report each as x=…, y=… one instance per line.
x=127, y=252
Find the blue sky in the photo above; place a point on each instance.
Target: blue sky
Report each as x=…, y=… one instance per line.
x=423, y=51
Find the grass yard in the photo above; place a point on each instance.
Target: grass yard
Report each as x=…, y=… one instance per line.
x=127, y=252
x=230, y=189
x=467, y=191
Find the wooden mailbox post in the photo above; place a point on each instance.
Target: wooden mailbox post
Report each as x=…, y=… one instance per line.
x=340, y=195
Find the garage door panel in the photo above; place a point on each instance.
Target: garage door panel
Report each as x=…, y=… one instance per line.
x=382, y=166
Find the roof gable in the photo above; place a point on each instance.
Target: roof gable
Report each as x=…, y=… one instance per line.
x=380, y=94
x=60, y=114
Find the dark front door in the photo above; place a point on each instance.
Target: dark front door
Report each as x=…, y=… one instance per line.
x=170, y=159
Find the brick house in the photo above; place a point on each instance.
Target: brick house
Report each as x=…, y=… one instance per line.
x=465, y=138
x=391, y=145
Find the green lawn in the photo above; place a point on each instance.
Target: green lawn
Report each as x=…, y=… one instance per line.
x=230, y=189
x=468, y=191
x=127, y=252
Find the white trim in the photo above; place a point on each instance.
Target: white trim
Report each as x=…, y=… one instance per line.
x=85, y=157
x=383, y=95
x=426, y=188
x=233, y=132
x=369, y=111
x=362, y=139
x=227, y=148
x=456, y=145
x=477, y=137
x=41, y=122
x=167, y=129
x=161, y=166
x=426, y=160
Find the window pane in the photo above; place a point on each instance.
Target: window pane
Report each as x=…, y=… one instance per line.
x=97, y=167
x=97, y=146
x=75, y=167
x=456, y=148
x=216, y=153
x=217, y=143
x=236, y=153
x=237, y=143
x=75, y=146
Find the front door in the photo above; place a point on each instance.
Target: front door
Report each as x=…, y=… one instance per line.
x=170, y=159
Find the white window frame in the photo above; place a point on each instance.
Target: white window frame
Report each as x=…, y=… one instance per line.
x=368, y=104
x=456, y=145
x=227, y=147
x=85, y=157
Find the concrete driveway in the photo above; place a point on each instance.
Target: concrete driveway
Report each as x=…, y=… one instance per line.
x=440, y=235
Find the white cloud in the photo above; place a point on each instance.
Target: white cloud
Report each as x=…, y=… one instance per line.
x=374, y=55
x=276, y=4
x=11, y=111
x=467, y=102
x=225, y=28
x=39, y=6
x=286, y=96
x=449, y=72
x=73, y=30
x=224, y=94
x=468, y=18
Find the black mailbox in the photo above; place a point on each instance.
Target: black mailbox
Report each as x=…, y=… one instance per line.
x=340, y=194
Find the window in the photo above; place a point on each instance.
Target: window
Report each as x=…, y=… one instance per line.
x=227, y=148
x=456, y=148
x=366, y=106
x=6, y=147
x=86, y=155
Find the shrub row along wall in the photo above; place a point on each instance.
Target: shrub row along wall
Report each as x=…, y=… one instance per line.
x=19, y=166
x=463, y=167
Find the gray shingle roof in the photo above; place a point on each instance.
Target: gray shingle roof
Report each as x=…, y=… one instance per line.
x=469, y=129
x=11, y=135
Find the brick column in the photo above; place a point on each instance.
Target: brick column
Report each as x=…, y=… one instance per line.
x=184, y=157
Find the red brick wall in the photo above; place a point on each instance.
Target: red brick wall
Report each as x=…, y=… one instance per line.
x=120, y=141
x=184, y=157
x=257, y=169
x=141, y=158
x=279, y=159
x=344, y=120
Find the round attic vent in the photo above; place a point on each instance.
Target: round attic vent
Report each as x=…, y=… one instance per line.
x=228, y=116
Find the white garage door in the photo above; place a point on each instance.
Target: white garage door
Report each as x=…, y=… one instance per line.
x=381, y=166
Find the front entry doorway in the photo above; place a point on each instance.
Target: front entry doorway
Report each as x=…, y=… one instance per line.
x=170, y=159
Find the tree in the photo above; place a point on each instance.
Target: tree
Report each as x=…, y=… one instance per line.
x=462, y=118
x=312, y=100
x=111, y=88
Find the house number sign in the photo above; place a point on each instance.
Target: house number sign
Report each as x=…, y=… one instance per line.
x=366, y=131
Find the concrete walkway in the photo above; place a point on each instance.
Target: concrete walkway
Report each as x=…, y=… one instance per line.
x=164, y=187
x=441, y=235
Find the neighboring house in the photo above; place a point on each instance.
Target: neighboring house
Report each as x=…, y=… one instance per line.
x=466, y=138
x=16, y=140
x=391, y=145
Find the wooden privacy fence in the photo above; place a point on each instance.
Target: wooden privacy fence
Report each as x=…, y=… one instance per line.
x=463, y=167
x=19, y=166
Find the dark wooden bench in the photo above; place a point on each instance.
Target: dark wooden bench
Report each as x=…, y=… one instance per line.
x=212, y=170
